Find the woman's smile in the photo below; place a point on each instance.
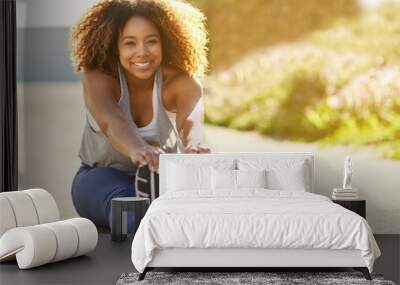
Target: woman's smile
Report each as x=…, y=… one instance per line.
x=142, y=65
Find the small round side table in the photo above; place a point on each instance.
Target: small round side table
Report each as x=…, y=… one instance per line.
x=119, y=215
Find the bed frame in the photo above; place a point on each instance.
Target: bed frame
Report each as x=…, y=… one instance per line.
x=246, y=258
x=242, y=259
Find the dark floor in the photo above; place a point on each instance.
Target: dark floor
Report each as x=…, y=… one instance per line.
x=110, y=260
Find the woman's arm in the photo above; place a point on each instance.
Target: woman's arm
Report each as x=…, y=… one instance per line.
x=101, y=93
x=187, y=92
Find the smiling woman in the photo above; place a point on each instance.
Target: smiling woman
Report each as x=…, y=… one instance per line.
x=140, y=60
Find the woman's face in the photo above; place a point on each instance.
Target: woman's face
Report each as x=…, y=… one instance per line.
x=139, y=46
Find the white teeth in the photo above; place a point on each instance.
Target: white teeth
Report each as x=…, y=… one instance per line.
x=144, y=64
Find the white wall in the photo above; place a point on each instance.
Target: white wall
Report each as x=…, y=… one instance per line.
x=50, y=13
x=43, y=38
x=51, y=119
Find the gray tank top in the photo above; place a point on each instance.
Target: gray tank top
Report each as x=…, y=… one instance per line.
x=97, y=151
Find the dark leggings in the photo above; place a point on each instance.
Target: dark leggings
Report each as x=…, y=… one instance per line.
x=93, y=189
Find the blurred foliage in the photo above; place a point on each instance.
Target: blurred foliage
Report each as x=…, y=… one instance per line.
x=336, y=85
x=237, y=27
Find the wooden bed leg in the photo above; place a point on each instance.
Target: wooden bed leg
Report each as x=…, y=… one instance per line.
x=143, y=274
x=364, y=271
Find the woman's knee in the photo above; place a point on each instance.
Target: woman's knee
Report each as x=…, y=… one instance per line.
x=93, y=191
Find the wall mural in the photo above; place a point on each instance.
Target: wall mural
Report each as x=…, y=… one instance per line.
x=283, y=76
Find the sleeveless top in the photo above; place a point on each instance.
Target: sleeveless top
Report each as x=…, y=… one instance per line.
x=150, y=132
x=97, y=151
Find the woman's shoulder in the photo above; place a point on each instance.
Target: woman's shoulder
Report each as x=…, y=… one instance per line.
x=96, y=81
x=179, y=88
x=98, y=74
x=176, y=81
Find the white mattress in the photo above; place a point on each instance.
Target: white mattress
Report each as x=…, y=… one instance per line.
x=253, y=218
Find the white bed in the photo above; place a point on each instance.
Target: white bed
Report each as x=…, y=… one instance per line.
x=201, y=220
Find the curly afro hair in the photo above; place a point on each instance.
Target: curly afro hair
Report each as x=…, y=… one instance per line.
x=181, y=26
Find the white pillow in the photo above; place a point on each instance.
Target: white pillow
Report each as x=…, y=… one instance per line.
x=186, y=173
x=285, y=174
x=223, y=179
x=290, y=179
x=251, y=178
x=226, y=179
x=182, y=177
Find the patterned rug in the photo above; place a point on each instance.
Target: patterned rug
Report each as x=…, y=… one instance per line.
x=244, y=278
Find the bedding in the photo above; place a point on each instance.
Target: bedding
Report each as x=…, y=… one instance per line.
x=251, y=178
x=250, y=218
x=237, y=179
x=185, y=175
x=282, y=174
x=223, y=179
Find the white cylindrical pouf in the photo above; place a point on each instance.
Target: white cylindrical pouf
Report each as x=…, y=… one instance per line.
x=7, y=218
x=67, y=239
x=33, y=246
x=40, y=244
x=31, y=232
x=87, y=234
x=23, y=208
x=46, y=206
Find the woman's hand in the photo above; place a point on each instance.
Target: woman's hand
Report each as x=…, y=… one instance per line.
x=197, y=149
x=147, y=155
